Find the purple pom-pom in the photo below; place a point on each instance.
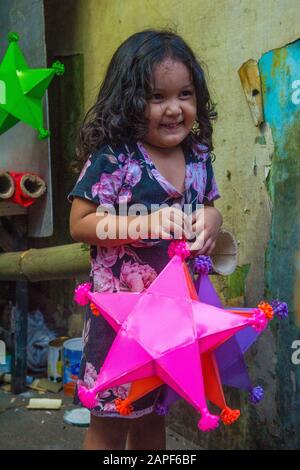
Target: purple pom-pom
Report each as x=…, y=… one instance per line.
x=280, y=309
x=161, y=410
x=203, y=264
x=256, y=395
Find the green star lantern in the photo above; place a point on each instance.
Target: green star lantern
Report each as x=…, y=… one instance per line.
x=22, y=89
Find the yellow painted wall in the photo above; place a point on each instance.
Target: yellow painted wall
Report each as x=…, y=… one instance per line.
x=224, y=34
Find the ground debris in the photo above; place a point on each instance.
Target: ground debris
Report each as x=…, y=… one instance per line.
x=44, y=404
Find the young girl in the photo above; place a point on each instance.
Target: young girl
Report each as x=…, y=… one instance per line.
x=147, y=140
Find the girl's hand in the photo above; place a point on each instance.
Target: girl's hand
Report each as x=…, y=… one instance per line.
x=168, y=223
x=206, y=224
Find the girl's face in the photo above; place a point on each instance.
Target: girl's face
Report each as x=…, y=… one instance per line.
x=172, y=108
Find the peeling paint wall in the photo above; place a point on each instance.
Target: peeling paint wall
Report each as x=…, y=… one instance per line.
x=280, y=75
x=224, y=34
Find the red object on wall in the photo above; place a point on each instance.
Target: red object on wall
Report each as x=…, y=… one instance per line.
x=28, y=188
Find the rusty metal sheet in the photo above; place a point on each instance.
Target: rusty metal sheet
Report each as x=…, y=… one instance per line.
x=249, y=76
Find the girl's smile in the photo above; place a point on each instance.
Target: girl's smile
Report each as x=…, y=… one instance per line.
x=171, y=109
x=172, y=126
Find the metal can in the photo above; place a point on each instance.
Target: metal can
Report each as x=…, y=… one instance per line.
x=72, y=357
x=55, y=359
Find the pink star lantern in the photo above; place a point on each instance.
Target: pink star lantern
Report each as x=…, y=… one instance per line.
x=162, y=332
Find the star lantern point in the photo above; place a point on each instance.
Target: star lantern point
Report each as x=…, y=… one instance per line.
x=22, y=89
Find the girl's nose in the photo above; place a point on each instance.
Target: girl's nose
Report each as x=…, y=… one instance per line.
x=173, y=107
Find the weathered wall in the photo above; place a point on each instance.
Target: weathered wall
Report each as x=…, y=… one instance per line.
x=55, y=299
x=279, y=74
x=224, y=34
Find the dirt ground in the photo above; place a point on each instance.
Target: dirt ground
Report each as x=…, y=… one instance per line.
x=22, y=429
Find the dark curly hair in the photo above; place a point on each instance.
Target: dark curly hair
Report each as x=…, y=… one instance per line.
x=118, y=116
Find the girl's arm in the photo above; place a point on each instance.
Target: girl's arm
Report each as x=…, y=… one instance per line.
x=85, y=218
x=86, y=223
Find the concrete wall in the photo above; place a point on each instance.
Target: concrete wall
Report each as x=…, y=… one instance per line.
x=224, y=34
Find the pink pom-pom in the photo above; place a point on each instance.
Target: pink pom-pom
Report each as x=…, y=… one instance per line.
x=80, y=294
x=259, y=320
x=87, y=397
x=208, y=422
x=180, y=248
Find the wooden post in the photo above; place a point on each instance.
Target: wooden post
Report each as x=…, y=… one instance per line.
x=19, y=333
x=17, y=241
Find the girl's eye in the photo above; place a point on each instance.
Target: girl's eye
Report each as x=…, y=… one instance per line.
x=186, y=93
x=156, y=97
x=159, y=97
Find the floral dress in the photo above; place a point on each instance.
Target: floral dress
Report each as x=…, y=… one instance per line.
x=110, y=177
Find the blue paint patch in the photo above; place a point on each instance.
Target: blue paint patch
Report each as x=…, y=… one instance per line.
x=280, y=72
x=280, y=76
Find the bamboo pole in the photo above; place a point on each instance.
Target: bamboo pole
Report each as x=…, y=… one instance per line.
x=73, y=260
x=46, y=264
